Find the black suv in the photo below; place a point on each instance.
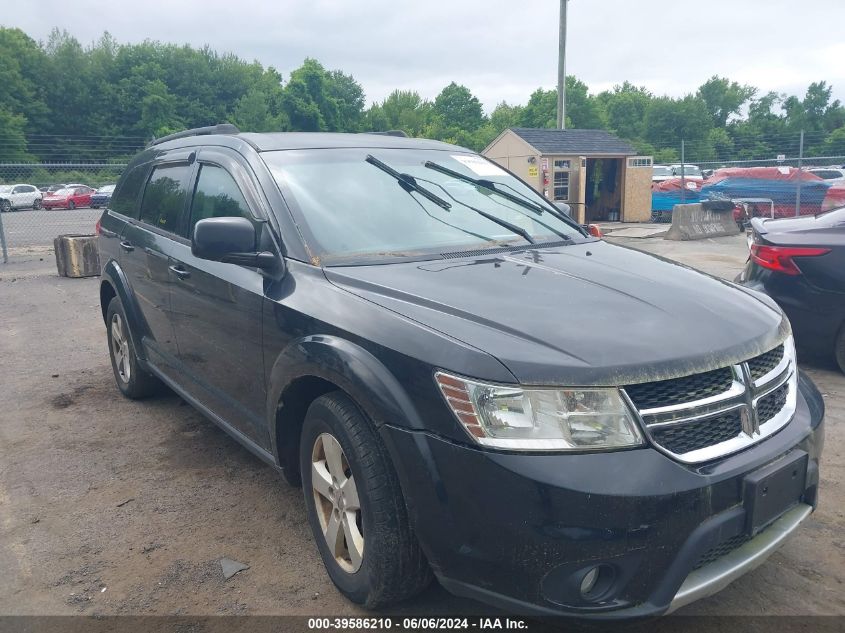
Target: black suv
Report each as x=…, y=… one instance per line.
x=466, y=383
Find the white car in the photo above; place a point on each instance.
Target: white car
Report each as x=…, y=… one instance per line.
x=834, y=176
x=691, y=172
x=19, y=197
x=659, y=173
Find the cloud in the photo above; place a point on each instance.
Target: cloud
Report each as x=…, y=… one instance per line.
x=500, y=49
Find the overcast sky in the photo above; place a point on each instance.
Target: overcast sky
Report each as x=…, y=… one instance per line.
x=500, y=49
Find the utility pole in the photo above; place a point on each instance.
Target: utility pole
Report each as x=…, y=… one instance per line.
x=800, y=164
x=561, y=69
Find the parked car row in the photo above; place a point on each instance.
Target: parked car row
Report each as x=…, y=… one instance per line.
x=61, y=196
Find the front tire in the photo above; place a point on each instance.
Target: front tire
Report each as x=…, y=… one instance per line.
x=133, y=381
x=839, y=349
x=71, y=205
x=5, y=206
x=355, y=506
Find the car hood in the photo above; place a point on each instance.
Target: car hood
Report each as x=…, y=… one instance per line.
x=585, y=314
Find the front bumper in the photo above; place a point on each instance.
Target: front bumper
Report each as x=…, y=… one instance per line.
x=520, y=531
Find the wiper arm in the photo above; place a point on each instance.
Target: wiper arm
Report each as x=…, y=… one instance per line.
x=513, y=228
x=490, y=186
x=408, y=183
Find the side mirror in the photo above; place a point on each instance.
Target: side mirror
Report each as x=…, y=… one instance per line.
x=229, y=240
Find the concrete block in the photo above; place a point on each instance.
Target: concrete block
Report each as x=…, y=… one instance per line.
x=77, y=255
x=701, y=220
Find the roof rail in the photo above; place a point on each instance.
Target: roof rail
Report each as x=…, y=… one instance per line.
x=400, y=133
x=220, y=128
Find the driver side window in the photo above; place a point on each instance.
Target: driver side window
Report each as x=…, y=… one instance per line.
x=217, y=195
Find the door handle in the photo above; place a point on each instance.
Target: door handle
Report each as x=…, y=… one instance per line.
x=180, y=272
x=127, y=246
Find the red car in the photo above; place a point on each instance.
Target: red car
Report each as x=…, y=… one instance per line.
x=68, y=198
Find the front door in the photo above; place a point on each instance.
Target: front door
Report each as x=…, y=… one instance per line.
x=217, y=307
x=146, y=246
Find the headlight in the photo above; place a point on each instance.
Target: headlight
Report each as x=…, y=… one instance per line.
x=540, y=419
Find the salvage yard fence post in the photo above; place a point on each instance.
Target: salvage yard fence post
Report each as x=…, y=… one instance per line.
x=3, y=241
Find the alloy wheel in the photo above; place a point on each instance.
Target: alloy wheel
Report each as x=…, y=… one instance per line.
x=337, y=504
x=120, y=348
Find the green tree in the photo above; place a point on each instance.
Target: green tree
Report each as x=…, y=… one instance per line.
x=834, y=145
x=541, y=109
x=12, y=139
x=724, y=98
x=668, y=121
x=458, y=109
x=624, y=109
x=349, y=97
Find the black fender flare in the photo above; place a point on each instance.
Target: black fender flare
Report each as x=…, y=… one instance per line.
x=113, y=275
x=349, y=366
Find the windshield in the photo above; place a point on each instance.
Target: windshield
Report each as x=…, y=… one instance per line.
x=826, y=174
x=353, y=209
x=63, y=192
x=661, y=171
x=106, y=189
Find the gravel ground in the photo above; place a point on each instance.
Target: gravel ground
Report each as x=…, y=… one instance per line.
x=109, y=506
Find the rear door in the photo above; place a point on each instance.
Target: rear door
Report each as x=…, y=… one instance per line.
x=146, y=246
x=18, y=197
x=217, y=307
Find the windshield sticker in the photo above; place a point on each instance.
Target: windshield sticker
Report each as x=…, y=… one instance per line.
x=478, y=165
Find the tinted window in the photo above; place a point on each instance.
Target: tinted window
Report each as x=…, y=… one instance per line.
x=125, y=198
x=217, y=196
x=164, y=197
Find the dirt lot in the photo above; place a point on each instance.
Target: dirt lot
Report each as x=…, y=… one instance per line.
x=109, y=506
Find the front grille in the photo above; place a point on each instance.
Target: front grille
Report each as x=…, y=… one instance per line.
x=665, y=393
x=705, y=416
x=717, y=551
x=770, y=405
x=692, y=436
x=763, y=364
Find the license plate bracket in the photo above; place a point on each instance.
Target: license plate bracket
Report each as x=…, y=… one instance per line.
x=771, y=490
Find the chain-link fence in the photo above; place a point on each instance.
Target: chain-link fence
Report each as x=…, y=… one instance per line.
x=789, y=182
x=40, y=201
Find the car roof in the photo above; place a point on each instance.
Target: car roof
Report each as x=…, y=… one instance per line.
x=275, y=141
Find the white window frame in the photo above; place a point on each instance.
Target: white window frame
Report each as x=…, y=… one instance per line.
x=556, y=186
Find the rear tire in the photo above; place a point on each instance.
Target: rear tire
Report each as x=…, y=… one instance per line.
x=839, y=349
x=36, y=205
x=133, y=382
x=375, y=559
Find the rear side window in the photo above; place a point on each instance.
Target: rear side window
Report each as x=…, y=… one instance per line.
x=217, y=195
x=125, y=198
x=164, y=197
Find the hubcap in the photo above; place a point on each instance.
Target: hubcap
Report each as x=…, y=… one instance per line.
x=336, y=500
x=120, y=348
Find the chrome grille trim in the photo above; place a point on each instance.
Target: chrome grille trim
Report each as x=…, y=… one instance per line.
x=744, y=394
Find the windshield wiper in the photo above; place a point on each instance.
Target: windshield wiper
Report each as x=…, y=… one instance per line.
x=408, y=183
x=513, y=228
x=490, y=186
